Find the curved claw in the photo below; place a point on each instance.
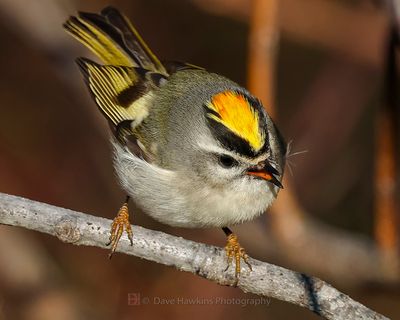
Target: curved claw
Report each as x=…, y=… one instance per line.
x=119, y=224
x=233, y=249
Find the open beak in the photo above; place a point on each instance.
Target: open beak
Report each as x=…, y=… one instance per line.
x=266, y=172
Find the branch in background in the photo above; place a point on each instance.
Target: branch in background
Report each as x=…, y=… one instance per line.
x=385, y=165
x=28, y=18
x=308, y=244
x=386, y=232
x=263, y=41
x=321, y=249
x=386, y=226
x=204, y=260
x=312, y=245
x=359, y=35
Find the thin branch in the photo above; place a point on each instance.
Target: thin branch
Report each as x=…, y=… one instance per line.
x=386, y=227
x=359, y=36
x=294, y=230
x=263, y=38
x=386, y=218
x=204, y=260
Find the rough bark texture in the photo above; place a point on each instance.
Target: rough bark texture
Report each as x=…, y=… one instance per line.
x=207, y=261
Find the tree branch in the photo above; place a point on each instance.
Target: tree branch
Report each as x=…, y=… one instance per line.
x=204, y=260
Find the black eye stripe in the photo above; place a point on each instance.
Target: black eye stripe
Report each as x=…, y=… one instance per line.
x=229, y=139
x=233, y=142
x=212, y=112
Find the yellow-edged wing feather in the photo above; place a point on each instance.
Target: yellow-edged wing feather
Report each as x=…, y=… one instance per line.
x=117, y=90
x=122, y=88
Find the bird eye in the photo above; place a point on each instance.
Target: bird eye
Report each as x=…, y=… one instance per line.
x=227, y=161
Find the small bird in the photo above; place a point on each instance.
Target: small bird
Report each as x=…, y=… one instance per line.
x=191, y=148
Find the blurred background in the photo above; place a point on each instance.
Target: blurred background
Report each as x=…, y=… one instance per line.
x=325, y=69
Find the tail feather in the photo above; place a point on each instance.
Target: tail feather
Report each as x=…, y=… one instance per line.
x=123, y=87
x=133, y=40
x=103, y=44
x=112, y=37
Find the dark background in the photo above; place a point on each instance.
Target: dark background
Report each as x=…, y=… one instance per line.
x=330, y=72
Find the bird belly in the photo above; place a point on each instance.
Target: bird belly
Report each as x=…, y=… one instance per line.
x=229, y=205
x=176, y=200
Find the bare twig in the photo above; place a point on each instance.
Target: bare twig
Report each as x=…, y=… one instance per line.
x=294, y=230
x=263, y=38
x=204, y=260
x=359, y=36
x=386, y=226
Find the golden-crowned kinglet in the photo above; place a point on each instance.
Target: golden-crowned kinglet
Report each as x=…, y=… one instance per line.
x=192, y=148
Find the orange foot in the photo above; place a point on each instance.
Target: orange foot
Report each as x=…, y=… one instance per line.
x=234, y=250
x=120, y=223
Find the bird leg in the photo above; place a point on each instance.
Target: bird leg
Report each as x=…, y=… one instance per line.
x=120, y=222
x=233, y=250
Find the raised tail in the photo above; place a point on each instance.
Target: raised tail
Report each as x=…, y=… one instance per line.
x=112, y=37
x=123, y=87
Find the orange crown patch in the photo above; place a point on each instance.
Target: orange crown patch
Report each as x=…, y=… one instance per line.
x=234, y=111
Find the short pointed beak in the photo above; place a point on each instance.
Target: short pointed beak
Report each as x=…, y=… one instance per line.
x=266, y=172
